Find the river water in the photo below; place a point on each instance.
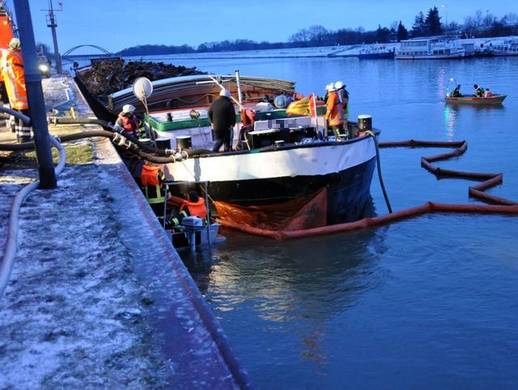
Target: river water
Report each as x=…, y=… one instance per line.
x=428, y=302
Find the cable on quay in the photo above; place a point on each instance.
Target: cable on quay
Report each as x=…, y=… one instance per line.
x=12, y=230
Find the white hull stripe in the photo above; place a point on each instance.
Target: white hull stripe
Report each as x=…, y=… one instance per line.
x=303, y=161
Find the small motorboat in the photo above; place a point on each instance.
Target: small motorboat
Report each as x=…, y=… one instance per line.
x=471, y=99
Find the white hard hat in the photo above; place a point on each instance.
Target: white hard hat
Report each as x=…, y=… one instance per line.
x=330, y=87
x=339, y=85
x=224, y=92
x=128, y=108
x=15, y=43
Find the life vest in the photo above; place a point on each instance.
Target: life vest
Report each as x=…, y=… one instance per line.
x=13, y=75
x=151, y=178
x=128, y=124
x=196, y=209
x=335, y=110
x=247, y=117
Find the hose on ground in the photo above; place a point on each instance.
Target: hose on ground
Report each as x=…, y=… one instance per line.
x=12, y=230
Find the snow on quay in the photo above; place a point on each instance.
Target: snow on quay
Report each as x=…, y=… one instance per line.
x=72, y=314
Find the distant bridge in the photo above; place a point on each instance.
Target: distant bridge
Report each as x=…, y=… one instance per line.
x=104, y=53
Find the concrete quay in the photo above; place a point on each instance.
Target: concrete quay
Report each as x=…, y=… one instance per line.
x=98, y=296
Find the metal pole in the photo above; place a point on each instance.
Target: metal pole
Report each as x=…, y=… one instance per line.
x=165, y=203
x=238, y=82
x=315, y=115
x=207, y=207
x=47, y=175
x=221, y=86
x=53, y=25
x=151, y=131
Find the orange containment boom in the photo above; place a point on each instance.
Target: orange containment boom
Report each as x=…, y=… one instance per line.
x=497, y=205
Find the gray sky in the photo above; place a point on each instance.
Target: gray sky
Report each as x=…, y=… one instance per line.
x=116, y=24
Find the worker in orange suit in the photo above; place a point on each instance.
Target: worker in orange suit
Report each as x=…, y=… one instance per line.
x=335, y=111
x=11, y=66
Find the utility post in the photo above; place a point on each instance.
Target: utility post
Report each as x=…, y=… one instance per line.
x=35, y=98
x=52, y=23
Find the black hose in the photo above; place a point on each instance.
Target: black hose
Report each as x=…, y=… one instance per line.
x=17, y=147
x=125, y=142
x=78, y=121
x=119, y=140
x=380, y=176
x=109, y=127
x=65, y=138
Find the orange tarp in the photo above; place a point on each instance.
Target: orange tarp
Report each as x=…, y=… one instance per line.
x=298, y=214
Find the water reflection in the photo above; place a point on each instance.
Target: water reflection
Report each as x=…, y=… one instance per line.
x=442, y=82
x=454, y=113
x=297, y=285
x=450, y=120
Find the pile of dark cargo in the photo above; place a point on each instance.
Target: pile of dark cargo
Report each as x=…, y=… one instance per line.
x=108, y=76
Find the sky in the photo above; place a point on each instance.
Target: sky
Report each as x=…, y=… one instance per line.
x=117, y=24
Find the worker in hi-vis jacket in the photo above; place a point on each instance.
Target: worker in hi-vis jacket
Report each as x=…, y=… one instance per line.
x=13, y=75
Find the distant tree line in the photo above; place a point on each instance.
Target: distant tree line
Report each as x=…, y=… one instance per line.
x=425, y=24
x=151, y=50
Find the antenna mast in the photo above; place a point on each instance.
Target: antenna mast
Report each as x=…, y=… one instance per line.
x=52, y=23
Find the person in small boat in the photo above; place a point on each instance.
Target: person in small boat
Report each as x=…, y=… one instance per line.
x=222, y=116
x=479, y=91
x=127, y=121
x=488, y=93
x=193, y=205
x=335, y=111
x=456, y=92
